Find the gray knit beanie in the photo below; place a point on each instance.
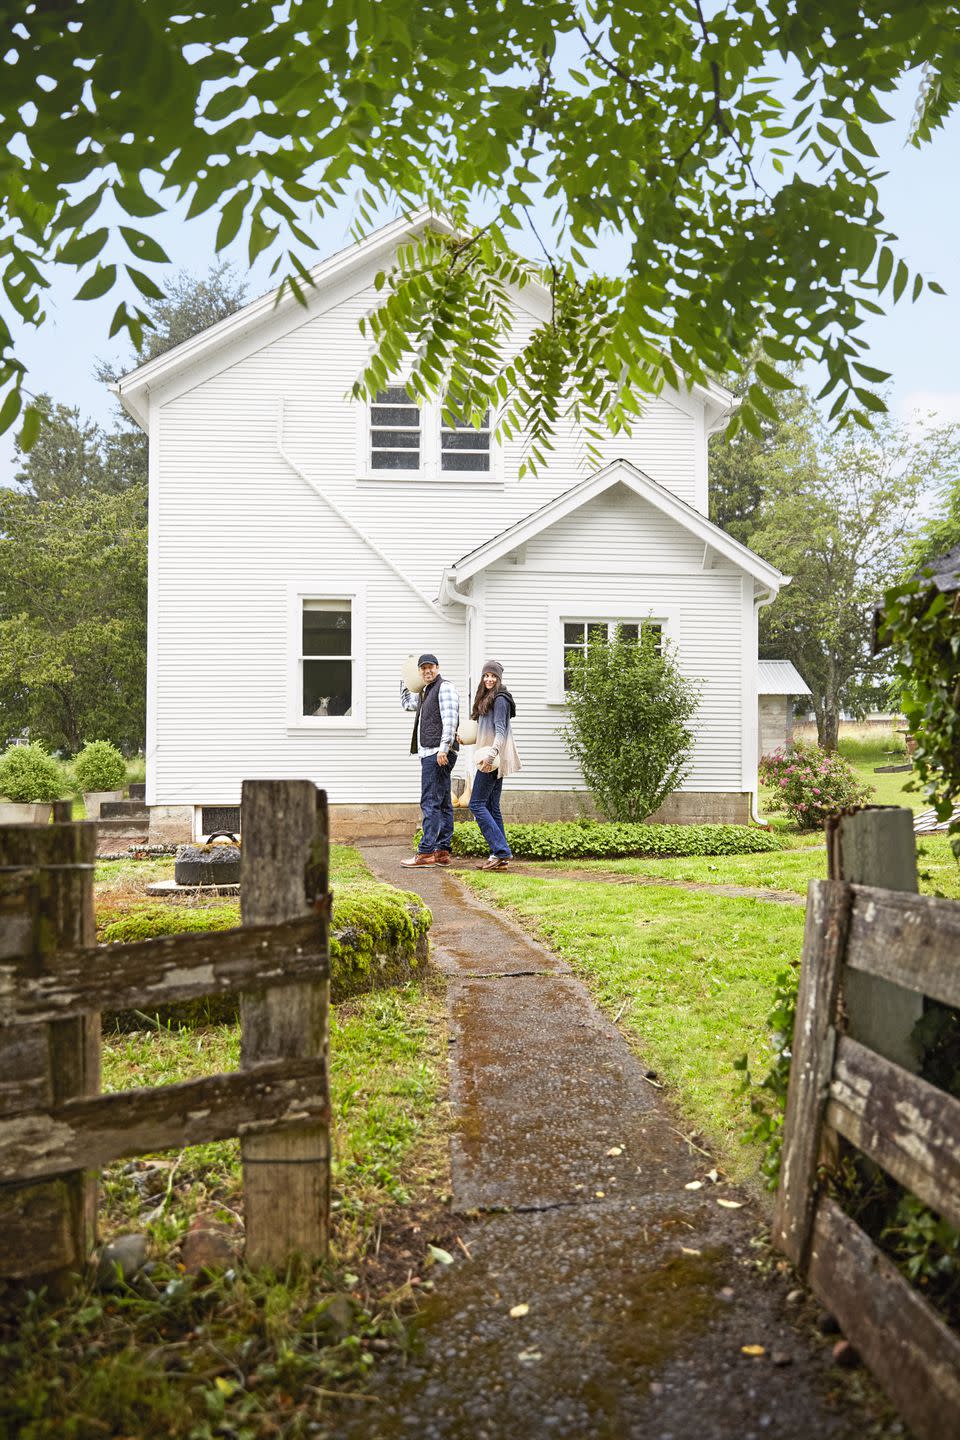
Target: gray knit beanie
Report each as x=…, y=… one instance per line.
x=492, y=667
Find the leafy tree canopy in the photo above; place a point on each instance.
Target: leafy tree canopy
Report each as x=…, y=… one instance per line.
x=836, y=514
x=644, y=119
x=73, y=616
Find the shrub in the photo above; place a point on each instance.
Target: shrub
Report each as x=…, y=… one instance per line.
x=628, y=710
x=100, y=766
x=28, y=774
x=598, y=839
x=810, y=784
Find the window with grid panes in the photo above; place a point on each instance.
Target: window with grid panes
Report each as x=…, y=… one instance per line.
x=326, y=657
x=463, y=446
x=577, y=635
x=394, y=430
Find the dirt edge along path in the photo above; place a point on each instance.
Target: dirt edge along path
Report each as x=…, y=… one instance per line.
x=609, y=1291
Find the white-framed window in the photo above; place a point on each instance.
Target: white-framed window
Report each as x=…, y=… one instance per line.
x=569, y=634
x=399, y=442
x=395, y=438
x=327, y=657
x=464, y=447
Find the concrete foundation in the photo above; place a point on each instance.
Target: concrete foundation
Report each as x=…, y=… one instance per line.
x=532, y=807
x=173, y=824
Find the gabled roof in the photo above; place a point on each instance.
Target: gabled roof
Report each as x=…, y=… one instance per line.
x=134, y=389
x=618, y=472
x=780, y=677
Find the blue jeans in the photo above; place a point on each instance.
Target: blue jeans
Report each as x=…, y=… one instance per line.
x=485, y=809
x=436, y=804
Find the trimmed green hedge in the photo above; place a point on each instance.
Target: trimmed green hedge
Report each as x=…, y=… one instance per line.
x=599, y=839
x=379, y=937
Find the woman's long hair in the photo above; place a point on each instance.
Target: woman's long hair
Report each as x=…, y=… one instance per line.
x=484, y=698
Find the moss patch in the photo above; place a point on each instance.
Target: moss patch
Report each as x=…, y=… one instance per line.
x=378, y=938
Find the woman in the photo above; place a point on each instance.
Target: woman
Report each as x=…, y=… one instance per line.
x=493, y=709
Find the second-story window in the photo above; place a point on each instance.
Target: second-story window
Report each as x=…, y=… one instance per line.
x=463, y=446
x=394, y=430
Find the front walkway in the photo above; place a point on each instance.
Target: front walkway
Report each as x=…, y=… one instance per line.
x=611, y=1286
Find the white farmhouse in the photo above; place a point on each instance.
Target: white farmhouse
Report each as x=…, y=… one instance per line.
x=302, y=545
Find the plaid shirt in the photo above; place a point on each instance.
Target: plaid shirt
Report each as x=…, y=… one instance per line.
x=449, y=716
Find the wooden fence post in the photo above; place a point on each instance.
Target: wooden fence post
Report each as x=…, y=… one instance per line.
x=877, y=846
x=284, y=875
x=46, y=904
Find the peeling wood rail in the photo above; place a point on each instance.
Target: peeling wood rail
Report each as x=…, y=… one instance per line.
x=55, y=1126
x=903, y=1124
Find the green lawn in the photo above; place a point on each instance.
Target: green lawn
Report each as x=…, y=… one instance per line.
x=691, y=975
x=788, y=870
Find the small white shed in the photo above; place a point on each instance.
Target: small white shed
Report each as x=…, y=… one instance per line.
x=779, y=684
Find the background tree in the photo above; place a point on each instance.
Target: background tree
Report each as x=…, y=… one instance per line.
x=623, y=115
x=744, y=467
x=73, y=614
x=73, y=557
x=629, y=710
x=835, y=518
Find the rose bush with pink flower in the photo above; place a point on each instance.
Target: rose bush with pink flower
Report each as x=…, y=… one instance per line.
x=809, y=784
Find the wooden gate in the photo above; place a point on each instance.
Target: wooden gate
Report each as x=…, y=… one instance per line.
x=905, y=1125
x=57, y=1130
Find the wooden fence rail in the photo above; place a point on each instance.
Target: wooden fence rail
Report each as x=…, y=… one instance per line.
x=903, y=1124
x=55, y=1126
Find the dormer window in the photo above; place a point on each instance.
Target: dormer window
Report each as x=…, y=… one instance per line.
x=463, y=446
x=394, y=430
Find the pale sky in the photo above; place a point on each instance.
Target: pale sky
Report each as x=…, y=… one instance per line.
x=919, y=344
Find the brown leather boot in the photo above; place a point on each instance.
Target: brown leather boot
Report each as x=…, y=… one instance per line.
x=427, y=858
x=442, y=857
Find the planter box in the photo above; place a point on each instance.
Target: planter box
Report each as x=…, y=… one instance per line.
x=33, y=813
x=93, y=799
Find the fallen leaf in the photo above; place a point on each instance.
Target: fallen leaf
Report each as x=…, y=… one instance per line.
x=694, y=1185
x=516, y=1311
x=443, y=1257
x=615, y=1150
x=713, y=1175
x=685, y=1250
x=528, y=1356
x=729, y=1204
x=752, y=1350
x=599, y=1194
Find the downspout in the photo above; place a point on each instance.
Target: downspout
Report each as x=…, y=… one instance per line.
x=766, y=597
x=451, y=594
x=352, y=525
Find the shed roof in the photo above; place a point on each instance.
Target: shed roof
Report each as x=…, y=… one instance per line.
x=780, y=677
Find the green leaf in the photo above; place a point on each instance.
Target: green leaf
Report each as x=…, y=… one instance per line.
x=98, y=284
x=10, y=409
x=132, y=198
x=884, y=267
x=144, y=246
x=31, y=428
x=231, y=218
x=870, y=401
x=144, y=284
x=83, y=248
x=900, y=280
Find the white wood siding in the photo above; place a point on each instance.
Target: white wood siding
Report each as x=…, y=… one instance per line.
x=232, y=523
x=704, y=611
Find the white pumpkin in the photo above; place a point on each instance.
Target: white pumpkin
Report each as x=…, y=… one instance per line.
x=410, y=672
x=467, y=732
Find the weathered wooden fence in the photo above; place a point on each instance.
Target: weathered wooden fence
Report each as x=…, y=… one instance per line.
x=57, y=1130
x=839, y=1086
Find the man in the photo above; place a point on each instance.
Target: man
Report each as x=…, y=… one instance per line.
x=435, y=742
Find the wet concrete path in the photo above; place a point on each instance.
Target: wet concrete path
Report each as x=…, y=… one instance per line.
x=573, y=1179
